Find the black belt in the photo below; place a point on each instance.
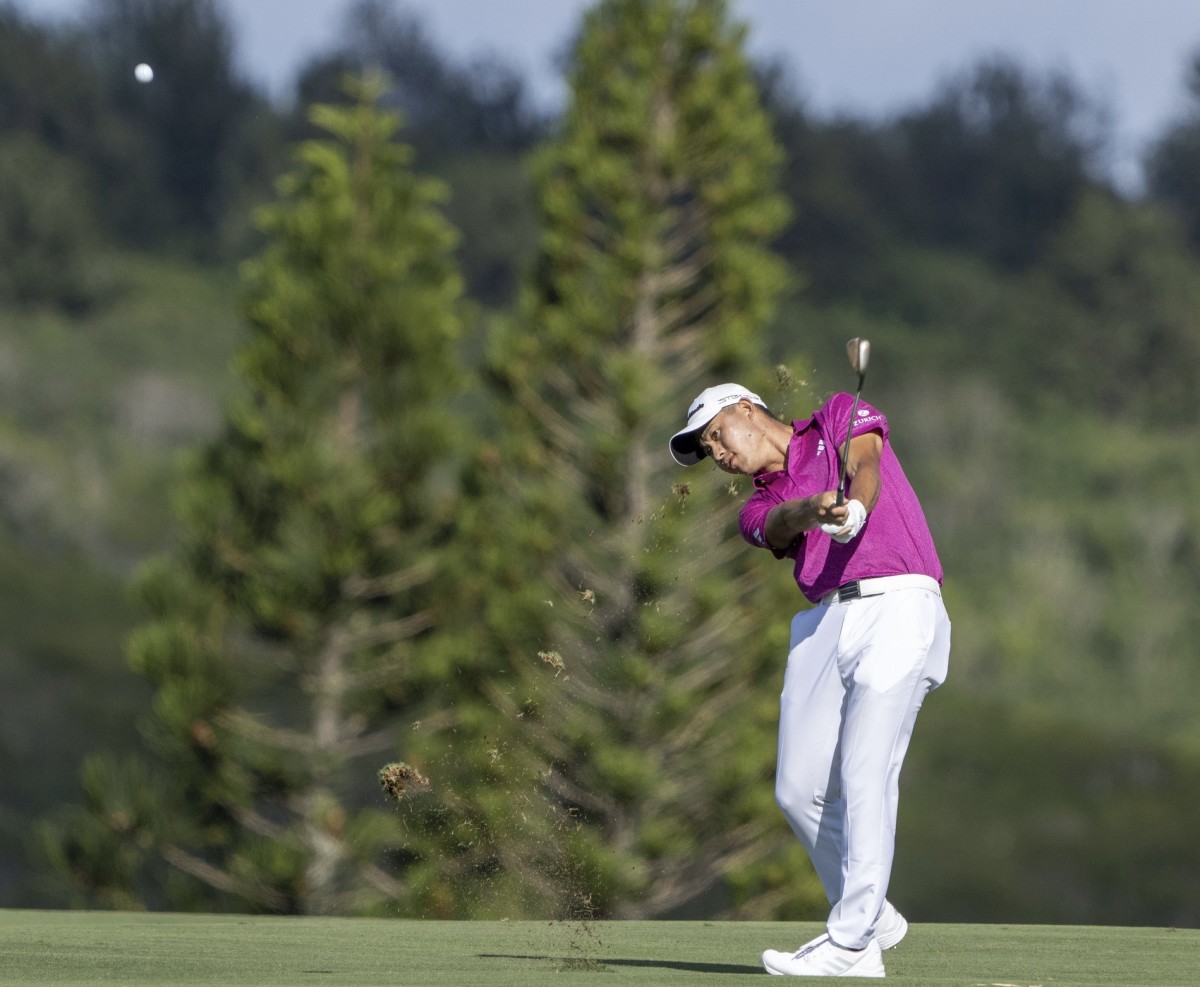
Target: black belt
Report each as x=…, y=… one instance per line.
x=849, y=591
x=857, y=589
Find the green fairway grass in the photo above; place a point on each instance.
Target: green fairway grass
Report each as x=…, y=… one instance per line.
x=122, y=948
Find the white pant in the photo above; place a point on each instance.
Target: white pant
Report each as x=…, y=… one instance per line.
x=856, y=677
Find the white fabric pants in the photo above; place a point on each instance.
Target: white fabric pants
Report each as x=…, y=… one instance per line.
x=856, y=676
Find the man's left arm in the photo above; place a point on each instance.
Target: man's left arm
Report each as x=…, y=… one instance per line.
x=862, y=468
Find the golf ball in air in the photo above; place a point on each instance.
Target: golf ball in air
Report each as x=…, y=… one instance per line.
x=143, y=72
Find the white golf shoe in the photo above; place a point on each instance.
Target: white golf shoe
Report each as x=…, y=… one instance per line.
x=774, y=957
x=891, y=927
x=823, y=958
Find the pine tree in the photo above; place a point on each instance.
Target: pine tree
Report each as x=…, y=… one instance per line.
x=645, y=645
x=290, y=647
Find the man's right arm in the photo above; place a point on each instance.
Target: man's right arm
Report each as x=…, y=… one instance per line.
x=789, y=520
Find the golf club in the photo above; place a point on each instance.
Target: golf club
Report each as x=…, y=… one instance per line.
x=859, y=351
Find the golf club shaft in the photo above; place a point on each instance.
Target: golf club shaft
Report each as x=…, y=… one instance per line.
x=841, y=498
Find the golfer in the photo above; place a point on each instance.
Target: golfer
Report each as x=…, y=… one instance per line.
x=862, y=659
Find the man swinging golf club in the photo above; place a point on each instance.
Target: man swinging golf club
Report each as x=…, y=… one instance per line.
x=830, y=494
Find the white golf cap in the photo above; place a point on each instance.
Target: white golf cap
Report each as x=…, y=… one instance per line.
x=685, y=449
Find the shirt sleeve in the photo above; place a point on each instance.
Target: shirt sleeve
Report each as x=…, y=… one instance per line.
x=753, y=520
x=835, y=416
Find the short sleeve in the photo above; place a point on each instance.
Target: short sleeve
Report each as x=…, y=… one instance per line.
x=753, y=520
x=835, y=416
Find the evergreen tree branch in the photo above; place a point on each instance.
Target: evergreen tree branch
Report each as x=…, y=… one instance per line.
x=389, y=631
x=374, y=587
x=248, y=726
x=221, y=880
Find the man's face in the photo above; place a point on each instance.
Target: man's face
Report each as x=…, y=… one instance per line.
x=734, y=439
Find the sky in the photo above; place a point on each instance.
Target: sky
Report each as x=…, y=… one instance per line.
x=867, y=58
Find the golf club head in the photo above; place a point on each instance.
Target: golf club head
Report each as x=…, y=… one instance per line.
x=859, y=351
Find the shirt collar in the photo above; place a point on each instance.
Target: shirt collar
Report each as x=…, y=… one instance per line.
x=799, y=426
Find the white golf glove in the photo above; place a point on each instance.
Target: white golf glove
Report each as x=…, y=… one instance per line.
x=856, y=517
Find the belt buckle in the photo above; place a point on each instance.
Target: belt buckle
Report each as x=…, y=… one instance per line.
x=851, y=591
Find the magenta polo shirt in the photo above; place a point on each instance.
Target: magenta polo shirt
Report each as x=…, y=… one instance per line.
x=895, y=539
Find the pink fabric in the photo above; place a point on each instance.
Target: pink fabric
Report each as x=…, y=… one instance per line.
x=895, y=539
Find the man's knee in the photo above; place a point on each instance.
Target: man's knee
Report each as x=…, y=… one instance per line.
x=799, y=801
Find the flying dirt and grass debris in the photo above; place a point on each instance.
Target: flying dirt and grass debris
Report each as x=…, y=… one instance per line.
x=399, y=779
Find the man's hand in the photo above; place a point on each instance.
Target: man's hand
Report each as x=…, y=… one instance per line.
x=829, y=513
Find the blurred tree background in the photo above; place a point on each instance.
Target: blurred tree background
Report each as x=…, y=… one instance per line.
x=546, y=620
